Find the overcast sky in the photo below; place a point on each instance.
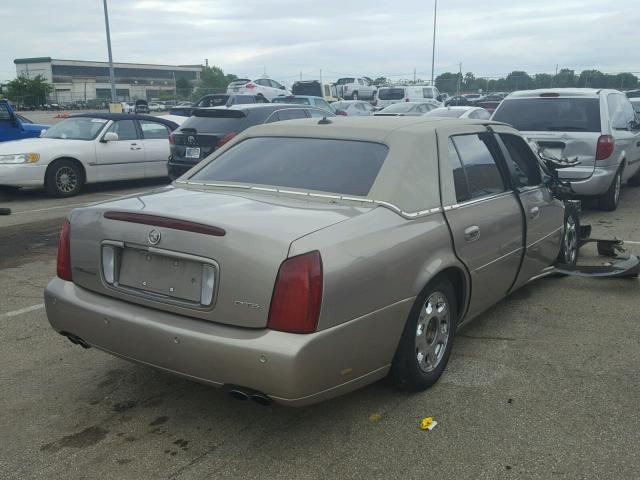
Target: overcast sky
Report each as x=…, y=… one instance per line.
x=346, y=37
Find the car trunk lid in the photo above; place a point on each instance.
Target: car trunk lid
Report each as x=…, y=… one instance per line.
x=167, y=246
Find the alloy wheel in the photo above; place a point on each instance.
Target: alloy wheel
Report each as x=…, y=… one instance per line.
x=66, y=179
x=432, y=332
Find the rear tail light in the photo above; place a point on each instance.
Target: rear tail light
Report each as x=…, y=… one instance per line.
x=225, y=139
x=297, y=295
x=605, y=147
x=63, y=265
x=250, y=85
x=172, y=140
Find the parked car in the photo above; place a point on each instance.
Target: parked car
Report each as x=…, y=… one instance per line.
x=291, y=264
x=355, y=89
x=141, y=106
x=315, y=88
x=210, y=128
x=460, y=112
x=635, y=102
x=473, y=97
x=599, y=127
x=155, y=107
x=128, y=107
x=88, y=148
x=414, y=93
x=216, y=100
x=405, y=109
x=305, y=100
x=457, y=101
x=489, y=106
x=633, y=93
x=262, y=87
x=352, y=108
x=14, y=126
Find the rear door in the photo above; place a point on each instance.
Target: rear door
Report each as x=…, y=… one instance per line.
x=124, y=158
x=543, y=214
x=486, y=221
x=9, y=125
x=155, y=139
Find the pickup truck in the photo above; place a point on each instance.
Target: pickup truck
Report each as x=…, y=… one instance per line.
x=355, y=88
x=16, y=127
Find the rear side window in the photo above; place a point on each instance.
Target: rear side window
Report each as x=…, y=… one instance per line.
x=153, y=130
x=343, y=167
x=620, y=111
x=523, y=164
x=552, y=114
x=459, y=177
x=391, y=93
x=481, y=171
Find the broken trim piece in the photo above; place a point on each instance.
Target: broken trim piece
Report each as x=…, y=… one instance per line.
x=625, y=268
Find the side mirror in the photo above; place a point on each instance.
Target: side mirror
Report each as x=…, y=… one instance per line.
x=110, y=137
x=282, y=87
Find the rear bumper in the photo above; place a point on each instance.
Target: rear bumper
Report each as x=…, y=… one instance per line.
x=26, y=175
x=292, y=369
x=596, y=184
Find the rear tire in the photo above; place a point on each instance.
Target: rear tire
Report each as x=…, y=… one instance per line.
x=354, y=96
x=64, y=178
x=609, y=201
x=425, y=345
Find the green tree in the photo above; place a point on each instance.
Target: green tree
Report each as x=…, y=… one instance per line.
x=448, y=82
x=29, y=91
x=379, y=81
x=213, y=80
x=519, y=80
x=565, y=78
x=183, y=88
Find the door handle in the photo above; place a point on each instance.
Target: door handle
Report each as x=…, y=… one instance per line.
x=472, y=233
x=534, y=212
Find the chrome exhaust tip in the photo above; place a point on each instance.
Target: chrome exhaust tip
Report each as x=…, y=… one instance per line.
x=238, y=394
x=261, y=399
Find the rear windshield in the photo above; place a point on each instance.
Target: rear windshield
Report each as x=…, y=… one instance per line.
x=343, y=167
x=553, y=114
x=312, y=89
x=212, y=101
x=240, y=81
x=206, y=124
x=343, y=81
x=391, y=93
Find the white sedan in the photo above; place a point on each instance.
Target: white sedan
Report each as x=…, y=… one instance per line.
x=262, y=87
x=88, y=148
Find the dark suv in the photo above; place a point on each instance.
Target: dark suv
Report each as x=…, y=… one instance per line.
x=210, y=128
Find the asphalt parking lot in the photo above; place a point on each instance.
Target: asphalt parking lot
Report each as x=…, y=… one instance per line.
x=544, y=385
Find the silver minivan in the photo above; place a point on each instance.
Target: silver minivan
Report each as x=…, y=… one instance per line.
x=599, y=127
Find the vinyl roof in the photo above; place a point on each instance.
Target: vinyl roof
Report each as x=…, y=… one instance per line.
x=127, y=116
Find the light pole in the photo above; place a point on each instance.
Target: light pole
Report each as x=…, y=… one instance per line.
x=112, y=78
x=433, y=50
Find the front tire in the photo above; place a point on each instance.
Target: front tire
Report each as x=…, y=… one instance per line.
x=425, y=345
x=571, y=237
x=609, y=201
x=64, y=178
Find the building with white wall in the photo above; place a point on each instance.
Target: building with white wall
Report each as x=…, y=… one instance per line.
x=77, y=80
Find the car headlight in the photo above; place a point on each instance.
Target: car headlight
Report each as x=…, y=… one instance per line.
x=20, y=158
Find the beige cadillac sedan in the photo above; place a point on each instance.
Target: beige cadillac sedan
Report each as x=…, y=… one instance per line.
x=308, y=258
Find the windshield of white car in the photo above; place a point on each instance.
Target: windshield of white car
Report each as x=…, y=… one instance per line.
x=391, y=93
x=399, y=108
x=297, y=101
x=343, y=167
x=80, y=128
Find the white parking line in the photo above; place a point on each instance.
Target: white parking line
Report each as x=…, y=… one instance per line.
x=22, y=310
x=632, y=243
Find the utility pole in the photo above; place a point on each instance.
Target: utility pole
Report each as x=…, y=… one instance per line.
x=459, y=79
x=414, y=75
x=112, y=77
x=320, y=76
x=175, y=87
x=433, y=49
x=300, y=75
